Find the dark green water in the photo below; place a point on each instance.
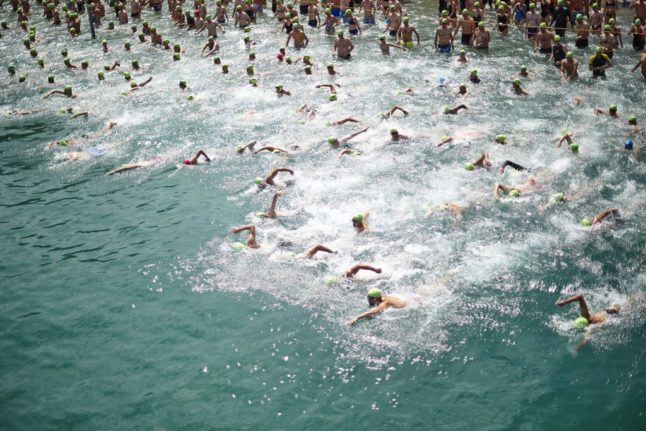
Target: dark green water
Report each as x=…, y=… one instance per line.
x=123, y=307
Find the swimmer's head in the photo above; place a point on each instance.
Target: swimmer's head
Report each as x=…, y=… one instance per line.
x=469, y=166
x=133, y=84
x=523, y=68
x=330, y=66
x=259, y=181
x=217, y=60
x=348, y=11
x=638, y=21
x=598, y=50
x=580, y=322
x=611, y=21
x=612, y=108
x=405, y=20
x=332, y=98
x=569, y=54
x=393, y=132
x=463, y=52
x=374, y=297
x=514, y=193
x=516, y=82
x=543, y=26
x=607, y=27
x=474, y=72
x=632, y=119
x=382, y=37
x=444, y=13
x=339, y=33
x=501, y=139
x=332, y=140
x=67, y=90
x=574, y=147
x=585, y=222
x=481, y=24
x=558, y=197
x=307, y=57
x=253, y=81
x=579, y=17
x=357, y=220
x=595, y=5
x=445, y=21
x=557, y=38
x=532, y=6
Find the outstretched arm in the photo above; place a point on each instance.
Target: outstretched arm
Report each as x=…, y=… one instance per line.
x=318, y=247
x=395, y=108
x=347, y=138
x=359, y=266
x=603, y=214
x=330, y=86
x=372, y=312
x=270, y=148
x=272, y=174
x=345, y=120
x=146, y=81
x=271, y=212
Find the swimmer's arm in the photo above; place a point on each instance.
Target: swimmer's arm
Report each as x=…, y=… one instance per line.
x=318, y=248
x=372, y=312
x=269, y=148
x=272, y=174
x=359, y=266
x=397, y=46
x=289, y=37
x=637, y=65
x=347, y=138
x=53, y=92
x=346, y=151
x=603, y=214
x=81, y=114
x=345, y=120
x=145, y=82
x=330, y=86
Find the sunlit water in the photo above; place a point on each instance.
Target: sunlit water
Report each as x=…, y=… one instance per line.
x=124, y=306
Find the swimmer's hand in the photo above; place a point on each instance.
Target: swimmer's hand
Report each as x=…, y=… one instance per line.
x=351, y=321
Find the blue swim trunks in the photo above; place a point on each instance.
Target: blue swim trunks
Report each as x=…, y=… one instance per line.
x=445, y=49
x=336, y=11
x=368, y=19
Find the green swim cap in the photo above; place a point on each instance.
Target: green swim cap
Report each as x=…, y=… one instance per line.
x=374, y=293
x=579, y=17
x=253, y=81
x=638, y=21
x=358, y=218
x=327, y=10
x=611, y=21
x=543, y=25
x=632, y=119
x=332, y=98
x=474, y=72
x=481, y=24
x=580, y=322
x=339, y=33
x=586, y=222
x=176, y=57
x=532, y=5
x=569, y=54
x=598, y=50
x=465, y=11
x=444, y=12
x=68, y=88
x=595, y=5
x=250, y=66
x=501, y=8
x=133, y=84
x=211, y=38
x=445, y=21
x=331, y=140
x=330, y=280
x=306, y=57
x=258, y=181
x=514, y=193
x=607, y=27
x=516, y=81
x=382, y=37
x=240, y=149
x=463, y=51
x=182, y=83
x=276, y=151
x=612, y=107
x=574, y=147
x=348, y=11
x=558, y=197
x=557, y=38
x=104, y=42
x=237, y=247
x=100, y=75
x=501, y=138
x=469, y=166
x=523, y=67
x=279, y=86
x=126, y=76
x=393, y=131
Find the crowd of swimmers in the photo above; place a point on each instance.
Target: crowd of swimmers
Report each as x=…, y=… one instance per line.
x=545, y=25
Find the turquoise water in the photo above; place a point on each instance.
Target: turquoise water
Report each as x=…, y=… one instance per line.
x=123, y=306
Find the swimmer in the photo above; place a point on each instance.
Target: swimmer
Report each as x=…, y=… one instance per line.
x=392, y=110
x=360, y=222
x=211, y=47
x=241, y=148
x=599, y=63
x=385, y=47
x=473, y=77
x=450, y=206
x=612, y=111
x=196, y=157
x=92, y=135
x=395, y=136
x=462, y=57
x=393, y=21
x=136, y=86
x=131, y=166
x=318, y=248
x=633, y=132
x=67, y=92
x=269, y=181
x=271, y=149
x=517, y=89
x=468, y=26
x=280, y=91
x=332, y=87
x=444, y=37
x=353, y=24
x=271, y=212
x=251, y=241
x=511, y=190
x=342, y=47
x=559, y=52
x=454, y=111
x=481, y=162
x=462, y=89
x=405, y=34
x=381, y=302
x=509, y=163
x=613, y=213
x=330, y=70
x=598, y=317
x=544, y=40
x=350, y=273
x=641, y=63
x=335, y=142
x=569, y=67
x=481, y=37
x=300, y=39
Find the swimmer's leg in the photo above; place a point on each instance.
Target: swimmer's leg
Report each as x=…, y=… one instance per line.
x=582, y=305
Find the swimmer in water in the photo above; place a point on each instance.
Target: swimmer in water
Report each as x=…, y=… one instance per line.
x=196, y=157
x=598, y=317
x=241, y=148
x=641, y=63
x=380, y=302
x=342, y=47
x=513, y=191
x=343, y=121
x=385, y=47
x=517, y=89
x=271, y=212
x=318, y=248
x=66, y=91
x=131, y=166
x=134, y=86
x=455, y=209
x=569, y=67
x=360, y=222
x=612, y=111
x=269, y=181
x=335, y=142
x=405, y=34
x=271, y=149
x=84, y=138
x=480, y=162
x=350, y=273
x=251, y=241
x=454, y=111
x=395, y=136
